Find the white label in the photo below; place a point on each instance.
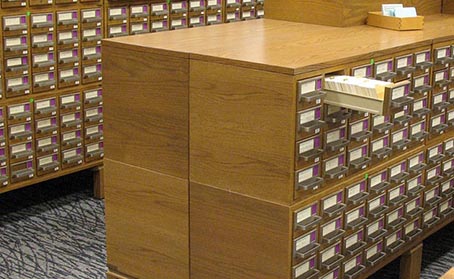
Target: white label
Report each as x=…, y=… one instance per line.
x=303, y=214
x=441, y=52
x=445, y=186
x=418, y=105
x=447, y=165
x=90, y=50
x=374, y=204
x=231, y=1
x=41, y=77
x=44, y=123
x=410, y=227
x=395, y=170
x=350, y=265
x=305, y=175
x=398, y=136
x=45, y=161
x=176, y=22
x=65, y=35
x=65, y=16
x=420, y=58
x=12, y=41
x=399, y=114
x=432, y=173
x=379, y=120
x=42, y=104
x=12, y=21
x=428, y=216
x=331, y=164
x=91, y=94
x=351, y=241
x=13, y=62
x=356, y=128
x=328, y=254
x=68, y=99
x=451, y=115
x=91, y=112
x=115, y=12
x=212, y=2
x=89, y=33
x=115, y=29
x=444, y=206
x=414, y=161
x=419, y=81
x=88, y=14
x=433, y=152
x=231, y=15
x=66, y=54
x=449, y=144
x=303, y=242
x=402, y=62
x=360, y=72
x=307, y=86
x=18, y=148
x=157, y=24
x=66, y=73
x=90, y=69
x=436, y=121
x=376, y=145
x=356, y=154
x=371, y=252
x=332, y=136
x=212, y=18
x=306, y=146
x=39, y=18
x=352, y=191
x=398, y=92
x=391, y=239
x=411, y=205
x=157, y=8
x=69, y=154
x=375, y=180
x=352, y=216
x=329, y=228
x=195, y=4
x=394, y=193
x=68, y=117
x=412, y=184
x=439, y=76
x=382, y=68
x=301, y=269
x=330, y=202
x=69, y=136
x=17, y=129
x=415, y=129
x=177, y=6
x=137, y=10
x=430, y=195
x=438, y=99
x=135, y=27
x=372, y=228
x=307, y=116
x=44, y=142
x=16, y=109
x=92, y=148
x=194, y=20
x=14, y=82
x=40, y=38
x=40, y=58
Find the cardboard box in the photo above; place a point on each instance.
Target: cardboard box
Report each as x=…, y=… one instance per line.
x=395, y=23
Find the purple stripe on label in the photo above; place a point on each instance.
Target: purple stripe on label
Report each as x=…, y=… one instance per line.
x=74, y=15
x=1, y=132
x=385, y=141
x=50, y=37
x=23, y=40
x=312, y=263
x=28, y=127
x=424, y=102
x=29, y=164
x=337, y=249
x=443, y=119
x=51, y=75
x=339, y=197
x=399, y=234
x=317, y=142
x=24, y=60
x=164, y=6
x=336, y=273
x=98, y=13
x=98, y=31
x=315, y=171
x=77, y=115
x=54, y=140
x=434, y=211
x=54, y=157
x=384, y=176
x=382, y=200
x=101, y=144
x=78, y=133
x=402, y=189
x=50, y=17
x=338, y=223
x=79, y=151
x=145, y=27
x=390, y=66
x=448, y=52
x=100, y=110
x=416, y=224
x=314, y=208
x=123, y=11
x=426, y=79
x=423, y=126
x=403, y=166
x=436, y=190
x=123, y=28
x=400, y=212
x=407, y=89
x=25, y=80
x=313, y=236
x=98, y=50
x=2, y=151
x=366, y=125
x=380, y=224
x=27, y=107
x=360, y=235
x=361, y=211
x=145, y=9
x=165, y=23
x=76, y=71
x=364, y=150
x=52, y=102
x=318, y=84
x=75, y=52
x=98, y=68
x=74, y=33
x=418, y=202
x=342, y=133
x=405, y=133
x=100, y=128
x=23, y=20
x=28, y=145
x=379, y=246
x=341, y=160
x=440, y=149
x=368, y=71
x=3, y=171
x=362, y=186
x=410, y=60
x=53, y=121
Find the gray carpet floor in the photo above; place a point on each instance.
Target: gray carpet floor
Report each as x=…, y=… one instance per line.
x=56, y=230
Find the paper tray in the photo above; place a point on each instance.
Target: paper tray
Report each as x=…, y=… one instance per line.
x=377, y=19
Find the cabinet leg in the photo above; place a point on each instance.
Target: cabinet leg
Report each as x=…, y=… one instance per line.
x=410, y=263
x=98, y=182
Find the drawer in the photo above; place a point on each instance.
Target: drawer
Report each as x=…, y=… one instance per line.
x=375, y=230
x=4, y=176
x=400, y=95
x=248, y=13
x=306, y=245
x=309, y=122
x=354, y=242
x=430, y=218
x=68, y=58
x=447, y=167
x=380, y=149
x=91, y=73
x=15, y=66
x=42, y=42
x=72, y=157
x=44, y=82
x=450, y=118
x=160, y=9
x=356, y=218
x=398, y=172
x=423, y=61
x=396, y=195
x=412, y=229
x=431, y=197
x=68, y=77
x=376, y=207
x=309, y=151
x=91, y=54
x=333, y=205
x=374, y=253
x=259, y=11
x=335, y=140
x=335, y=116
x=415, y=186
x=401, y=117
x=447, y=187
x=413, y=208
x=71, y=121
x=378, y=182
x=309, y=179
x=177, y=7
x=353, y=267
x=307, y=269
x=362, y=71
x=399, y=140
x=420, y=108
x=332, y=231
x=358, y=158
x=213, y=17
x=67, y=39
x=20, y=132
x=117, y=15
x=67, y=20
x=334, y=168
x=433, y=176
x=117, y=30
x=422, y=85
x=94, y=151
x=356, y=193
x=197, y=19
x=159, y=24
x=43, y=62
x=45, y=107
x=394, y=241
x=93, y=115
x=19, y=113
x=442, y=57
x=21, y=152
x=139, y=13
x=441, y=80
x=380, y=125
x=15, y=25
x=22, y=171
x=47, y=146
x=94, y=133
x=418, y=132
x=13, y=4
x=404, y=67
x=71, y=139
x=232, y=15
x=439, y=101
x=384, y=70
x=359, y=131
x=178, y=21
x=17, y=86
x=445, y=208
x=46, y=127
x=435, y=154
x=395, y=219
x=92, y=35
x=448, y=147
x=47, y=164
x=139, y=28
x=331, y=257
x=93, y=97
x=307, y=217
x=70, y=102
x=91, y=17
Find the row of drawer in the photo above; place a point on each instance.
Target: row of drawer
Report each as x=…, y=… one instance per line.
x=5, y=4
x=11, y=173
x=365, y=247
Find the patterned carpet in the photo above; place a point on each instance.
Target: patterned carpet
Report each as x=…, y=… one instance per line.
x=56, y=231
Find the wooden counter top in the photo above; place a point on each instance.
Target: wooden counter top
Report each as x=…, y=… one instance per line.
x=286, y=47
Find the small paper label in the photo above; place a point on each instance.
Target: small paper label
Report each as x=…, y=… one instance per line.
x=69, y=154
x=13, y=62
x=40, y=38
x=307, y=86
x=418, y=82
x=16, y=109
x=371, y=252
x=12, y=42
x=360, y=72
x=303, y=214
x=394, y=193
x=446, y=186
x=68, y=118
x=14, y=82
x=177, y=6
x=379, y=119
x=411, y=205
x=377, y=145
x=40, y=58
x=354, y=215
x=402, y=62
x=41, y=77
x=449, y=144
x=231, y=15
x=90, y=69
x=39, y=18
x=439, y=76
x=438, y=99
x=382, y=68
x=331, y=164
x=350, y=265
x=444, y=206
x=328, y=254
x=332, y=136
x=157, y=8
x=306, y=146
x=301, y=269
x=9, y=21
x=212, y=18
x=18, y=148
x=416, y=129
x=92, y=148
x=307, y=116
x=374, y=204
x=441, y=53
x=44, y=123
x=412, y=184
x=68, y=99
x=157, y=24
x=44, y=142
x=410, y=227
x=352, y=191
x=136, y=10
x=194, y=20
x=398, y=136
x=330, y=202
x=45, y=160
x=373, y=228
x=88, y=14
x=176, y=22
x=391, y=239
x=115, y=12
x=421, y=57
x=356, y=128
x=356, y=154
x=398, y=92
x=305, y=175
x=91, y=112
x=65, y=16
x=428, y=216
x=69, y=136
x=329, y=228
x=115, y=30
x=66, y=73
x=436, y=121
x=430, y=195
x=303, y=242
x=418, y=105
x=89, y=33
x=351, y=240
x=66, y=54
x=17, y=129
x=91, y=94
x=65, y=35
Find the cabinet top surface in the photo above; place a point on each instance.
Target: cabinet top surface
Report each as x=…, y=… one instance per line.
x=287, y=47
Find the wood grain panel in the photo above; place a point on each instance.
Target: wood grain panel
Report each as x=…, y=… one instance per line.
x=424, y=7
x=233, y=236
x=147, y=222
x=146, y=110
x=242, y=130
x=448, y=6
